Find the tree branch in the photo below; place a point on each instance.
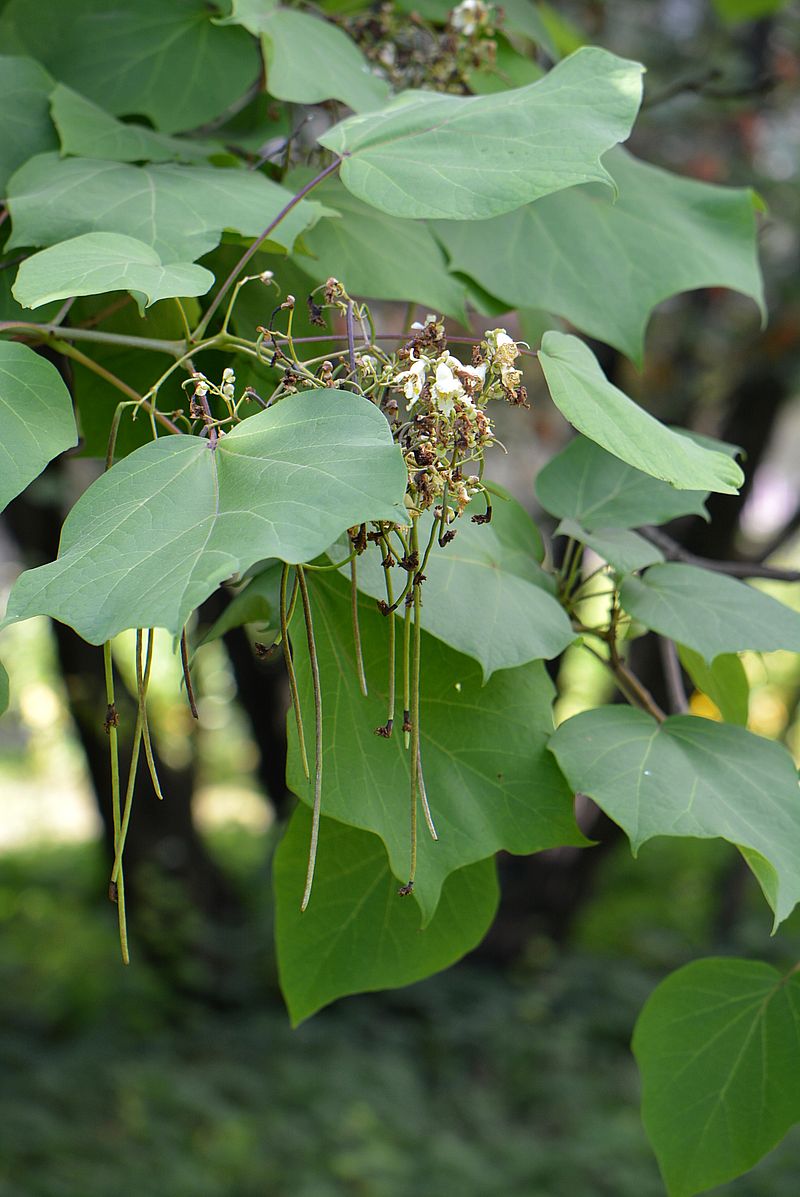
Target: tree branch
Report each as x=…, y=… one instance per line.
x=734, y=569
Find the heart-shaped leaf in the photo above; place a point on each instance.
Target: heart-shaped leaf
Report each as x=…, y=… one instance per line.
x=718, y=1048
x=138, y=59
x=468, y=158
x=586, y=484
x=490, y=781
x=152, y=538
x=605, y=263
x=36, y=417
x=708, y=611
x=484, y=594
x=98, y=262
x=181, y=211
x=598, y=409
x=358, y=934
x=691, y=777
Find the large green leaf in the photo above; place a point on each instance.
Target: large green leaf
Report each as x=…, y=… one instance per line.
x=724, y=681
x=379, y=256
x=484, y=594
x=718, y=1048
x=35, y=416
x=691, y=777
x=490, y=781
x=181, y=211
x=27, y=129
x=619, y=547
x=98, y=262
x=708, y=611
x=357, y=934
x=309, y=60
x=459, y=158
x=598, y=409
x=597, y=490
x=605, y=263
x=87, y=131
x=152, y=538
x=163, y=59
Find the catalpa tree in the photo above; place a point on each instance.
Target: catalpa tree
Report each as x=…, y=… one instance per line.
x=190, y=192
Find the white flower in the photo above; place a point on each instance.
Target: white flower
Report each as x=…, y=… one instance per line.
x=413, y=380
x=447, y=388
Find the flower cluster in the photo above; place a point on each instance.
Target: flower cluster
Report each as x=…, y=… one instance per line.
x=445, y=399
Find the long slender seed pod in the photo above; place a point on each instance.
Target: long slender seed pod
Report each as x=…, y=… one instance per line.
x=415, y=750
x=187, y=677
x=142, y=681
x=423, y=793
x=312, y=657
x=389, y=726
x=362, y=677
x=116, y=890
x=407, y=675
x=287, y=656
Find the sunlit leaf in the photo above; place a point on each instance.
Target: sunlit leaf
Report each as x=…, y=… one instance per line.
x=152, y=538
x=490, y=781
x=98, y=262
x=358, y=934
x=605, y=263
x=468, y=158
x=35, y=416
x=708, y=611
x=724, y=681
x=598, y=409
x=163, y=59
x=690, y=777
x=718, y=1048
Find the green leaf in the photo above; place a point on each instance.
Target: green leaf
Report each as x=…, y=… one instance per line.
x=597, y=490
x=27, y=129
x=181, y=211
x=152, y=538
x=605, y=263
x=708, y=611
x=490, y=781
x=523, y=16
x=357, y=934
x=4, y=695
x=466, y=158
x=309, y=60
x=508, y=69
x=690, y=777
x=620, y=548
x=718, y=1049
x=724, y=681
x=86, y=130
x=484, y=594
x=378, y=256
x=35, y=414
x=606, y=415
x=163, y=59
x=98, y=262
